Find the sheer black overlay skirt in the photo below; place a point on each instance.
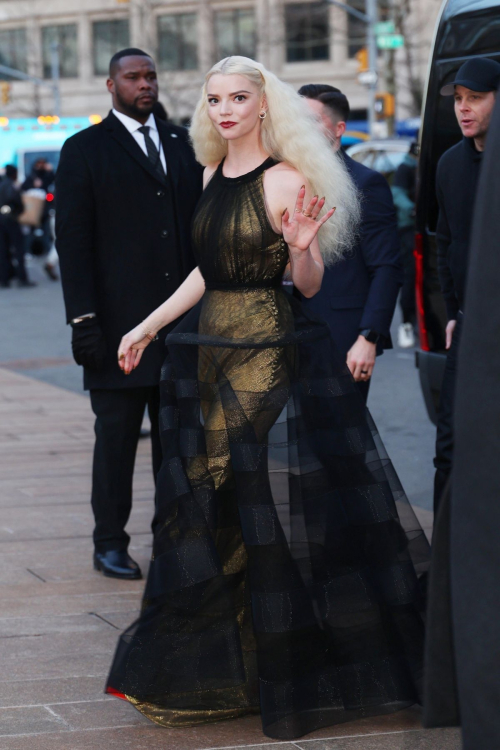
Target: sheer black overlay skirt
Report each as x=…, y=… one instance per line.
x=284, y=572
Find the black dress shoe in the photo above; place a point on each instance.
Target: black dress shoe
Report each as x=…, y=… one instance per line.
x=117, y=564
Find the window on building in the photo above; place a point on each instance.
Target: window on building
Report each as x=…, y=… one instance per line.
x=109, y=37
x=235, y=33
x=177, y=42
x=13, y=49
x=307, y=32
x=66, y=37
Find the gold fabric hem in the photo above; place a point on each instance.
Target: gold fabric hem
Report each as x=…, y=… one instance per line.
x=179, y=717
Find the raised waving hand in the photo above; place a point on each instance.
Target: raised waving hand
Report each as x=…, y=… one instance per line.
x=301, y=227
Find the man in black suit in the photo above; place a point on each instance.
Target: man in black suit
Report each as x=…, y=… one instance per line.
x=126, y=192
x=359, y=295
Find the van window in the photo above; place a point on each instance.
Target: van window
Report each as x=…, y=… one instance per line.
x=464, y=35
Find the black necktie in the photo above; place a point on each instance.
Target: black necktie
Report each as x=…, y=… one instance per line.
x=153, y=153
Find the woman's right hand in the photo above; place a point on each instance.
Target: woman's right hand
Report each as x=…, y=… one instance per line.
x=131, y=348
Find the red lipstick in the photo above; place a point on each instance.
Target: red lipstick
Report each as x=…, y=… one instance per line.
x=227, y=124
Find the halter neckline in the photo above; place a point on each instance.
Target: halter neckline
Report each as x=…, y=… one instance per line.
x=269, y=162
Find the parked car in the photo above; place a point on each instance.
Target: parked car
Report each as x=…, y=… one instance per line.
x=465, y=29
x=384, y=154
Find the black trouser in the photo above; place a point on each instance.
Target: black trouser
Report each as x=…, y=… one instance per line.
x=407, y=296
x=444, y=436
x=11, y=236
x=119, y=415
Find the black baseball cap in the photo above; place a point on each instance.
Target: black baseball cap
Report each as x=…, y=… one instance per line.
x=478, y=74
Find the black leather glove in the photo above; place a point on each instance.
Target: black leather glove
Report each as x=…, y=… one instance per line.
x=88, y=344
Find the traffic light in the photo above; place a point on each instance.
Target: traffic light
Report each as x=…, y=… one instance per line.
x=362, y=58
x=384, y=106
x=5, y=92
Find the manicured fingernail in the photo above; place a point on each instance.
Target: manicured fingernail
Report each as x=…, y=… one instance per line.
x=323, y=199
x=315, y=198
x=334, y=208
x=303, y=187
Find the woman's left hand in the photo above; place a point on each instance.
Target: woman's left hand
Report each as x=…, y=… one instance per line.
x=300, y=229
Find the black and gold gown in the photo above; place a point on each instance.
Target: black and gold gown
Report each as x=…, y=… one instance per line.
x=283, y=576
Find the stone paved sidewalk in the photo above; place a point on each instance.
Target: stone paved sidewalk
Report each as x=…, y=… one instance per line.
x=59, y=620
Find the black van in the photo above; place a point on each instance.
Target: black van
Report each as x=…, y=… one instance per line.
x=465, y=29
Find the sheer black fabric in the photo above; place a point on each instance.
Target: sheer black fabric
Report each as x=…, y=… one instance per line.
x=283, y=579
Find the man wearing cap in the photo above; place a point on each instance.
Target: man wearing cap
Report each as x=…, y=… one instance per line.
x=474, y=90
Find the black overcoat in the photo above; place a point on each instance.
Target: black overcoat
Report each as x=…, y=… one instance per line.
x=123, y=235
x=463, y=640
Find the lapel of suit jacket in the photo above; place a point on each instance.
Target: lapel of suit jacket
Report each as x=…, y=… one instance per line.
x=170, y=143
x=120, y=133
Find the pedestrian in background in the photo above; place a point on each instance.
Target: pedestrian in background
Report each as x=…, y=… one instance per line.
x=126, y=191
x=11, y=236
x=456, y=182
x=403, y=192
x=358, y=296
x=41, y=178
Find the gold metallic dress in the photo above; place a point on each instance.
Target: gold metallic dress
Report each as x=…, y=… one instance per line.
x=283, y=578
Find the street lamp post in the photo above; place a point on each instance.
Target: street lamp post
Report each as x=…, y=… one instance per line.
x=371, y=12
x=55, y=62
x=370, y=18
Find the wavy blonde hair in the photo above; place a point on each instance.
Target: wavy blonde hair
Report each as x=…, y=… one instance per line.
x=290, y=133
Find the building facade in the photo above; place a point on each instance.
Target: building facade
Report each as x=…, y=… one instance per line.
x=302, y=41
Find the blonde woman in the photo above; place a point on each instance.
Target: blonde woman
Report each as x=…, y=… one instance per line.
x=281, y=581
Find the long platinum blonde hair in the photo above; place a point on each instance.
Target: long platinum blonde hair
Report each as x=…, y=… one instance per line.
x=290, y=133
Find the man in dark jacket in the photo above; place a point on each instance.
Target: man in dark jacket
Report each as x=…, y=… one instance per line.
x=126, y=189
x=358, y=296
x=42, y=178
x=11, y=236
x=456, y=183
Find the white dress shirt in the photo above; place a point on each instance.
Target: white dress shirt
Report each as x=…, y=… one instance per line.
x=133, y=128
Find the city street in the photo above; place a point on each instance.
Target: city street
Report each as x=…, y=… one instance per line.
x=59, y=620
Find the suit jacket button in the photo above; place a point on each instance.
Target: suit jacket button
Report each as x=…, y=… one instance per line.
x=164, y=232
x=167, y=276
x=160, y=193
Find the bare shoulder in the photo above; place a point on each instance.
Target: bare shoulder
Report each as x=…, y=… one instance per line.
x=283, y=175
x=282, y=184
x=208, y=173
